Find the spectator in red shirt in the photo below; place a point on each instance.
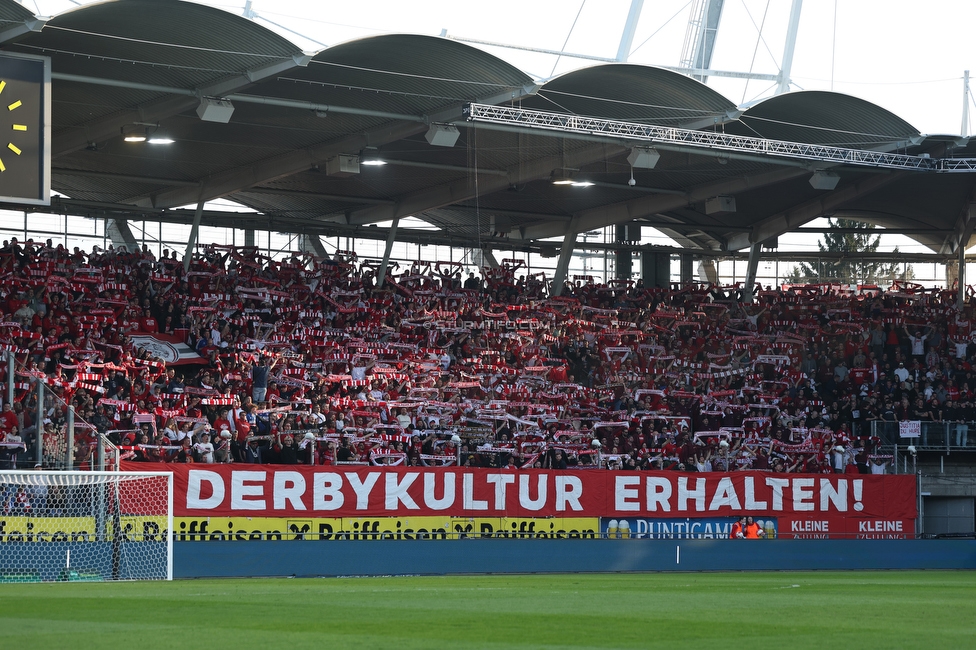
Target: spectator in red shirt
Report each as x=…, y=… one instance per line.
x=147, y=323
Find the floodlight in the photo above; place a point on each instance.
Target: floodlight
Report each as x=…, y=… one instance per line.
x=132, y=133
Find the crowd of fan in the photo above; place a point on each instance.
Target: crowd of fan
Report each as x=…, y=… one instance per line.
x=306, y=360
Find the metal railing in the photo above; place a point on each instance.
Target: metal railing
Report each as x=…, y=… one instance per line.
x=934, y=436
x=67, y=442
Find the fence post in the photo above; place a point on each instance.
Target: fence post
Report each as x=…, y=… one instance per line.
x=100, y=507
x=919, y=523
x=11, y=378
x=39, y=424
x=69, y=439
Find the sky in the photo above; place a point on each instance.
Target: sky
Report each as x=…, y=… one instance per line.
x=907, y=56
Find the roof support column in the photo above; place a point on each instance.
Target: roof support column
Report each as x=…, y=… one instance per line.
x=565, y=256
x=787, y=68
x=630, y=27
x=754, y=253
x=192, y=241
x=312, y=244
x=121, y=235
x=708, y=272
x=967, y=230
x=961, y=295
x=687, y=268
x=381, y=276
x=624, y=262
x=249, y=237
x=482, y=257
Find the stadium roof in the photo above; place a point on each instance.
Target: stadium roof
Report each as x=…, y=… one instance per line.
x=148, y=65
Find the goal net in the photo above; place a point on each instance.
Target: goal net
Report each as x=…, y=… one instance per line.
x=85, y=526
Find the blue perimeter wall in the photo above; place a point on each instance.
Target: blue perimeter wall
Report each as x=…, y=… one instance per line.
x=364, y=558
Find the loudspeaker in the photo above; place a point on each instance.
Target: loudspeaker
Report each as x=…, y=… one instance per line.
x=824, y=181
x=215, y=110
x=643, y=157
x=342, y=165
x=720, y=205
x=442, y=135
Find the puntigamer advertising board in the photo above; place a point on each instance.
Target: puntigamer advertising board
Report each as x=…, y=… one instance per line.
x=353, y=502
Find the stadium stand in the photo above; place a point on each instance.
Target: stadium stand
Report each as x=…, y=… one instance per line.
x=247, y=359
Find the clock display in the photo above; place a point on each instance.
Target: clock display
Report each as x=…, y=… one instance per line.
x=24, y=107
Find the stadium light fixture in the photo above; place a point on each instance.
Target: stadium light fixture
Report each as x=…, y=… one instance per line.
x=132, y=133
x=145, y=132
x=562, y=176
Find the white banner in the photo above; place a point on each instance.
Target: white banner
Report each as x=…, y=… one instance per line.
x=910, y=429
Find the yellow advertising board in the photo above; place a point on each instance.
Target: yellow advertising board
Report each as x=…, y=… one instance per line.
x=47, y=529
x=192, y=529
x=198, y=529
x=78, y=529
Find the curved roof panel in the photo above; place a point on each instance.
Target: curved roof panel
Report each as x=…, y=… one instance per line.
x=12, y=12
x=399, y=73
x=161, y=42
x=636, y=93
x=819, y=117
x=142, y=63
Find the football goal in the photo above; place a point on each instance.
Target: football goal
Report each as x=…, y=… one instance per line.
x=85, y=526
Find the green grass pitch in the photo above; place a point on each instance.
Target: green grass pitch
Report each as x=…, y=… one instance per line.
x=932, y=609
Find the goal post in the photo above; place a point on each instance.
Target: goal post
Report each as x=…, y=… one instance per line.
x=85, y=526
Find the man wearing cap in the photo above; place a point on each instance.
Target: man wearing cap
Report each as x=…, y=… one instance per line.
x=901, y=372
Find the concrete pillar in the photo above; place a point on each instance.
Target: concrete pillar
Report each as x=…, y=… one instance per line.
x=623, y=259
x=961, y=295
x=565, y=255
x=707, y=271
x=194, y=233
x=312, y=244
x=755, y=252
x=381, y=277
x=656, y=268
x=687, y=268
x=482, y=257
x=120, y=234
x=951, y=272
